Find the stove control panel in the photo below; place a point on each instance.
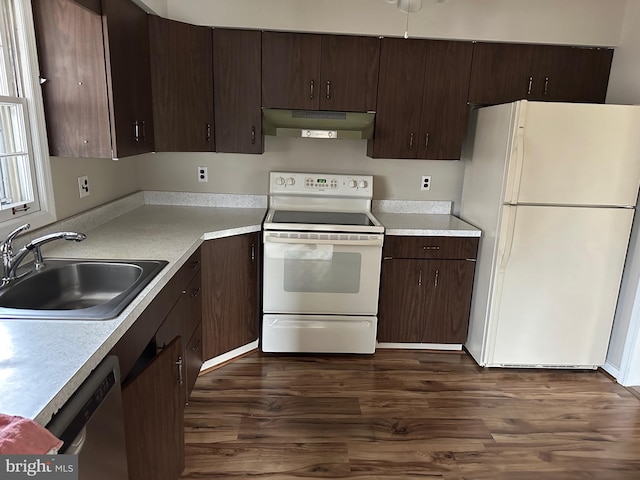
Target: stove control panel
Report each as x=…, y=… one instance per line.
x=321, y=184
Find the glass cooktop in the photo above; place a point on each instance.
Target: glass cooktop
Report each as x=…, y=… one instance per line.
x=322, y=218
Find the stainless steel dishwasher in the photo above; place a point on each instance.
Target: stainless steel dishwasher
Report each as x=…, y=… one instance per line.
x=91, y=425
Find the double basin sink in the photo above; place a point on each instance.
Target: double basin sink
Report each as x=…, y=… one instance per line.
x=74, y=289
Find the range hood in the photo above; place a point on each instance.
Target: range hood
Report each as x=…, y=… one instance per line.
x=317, y=124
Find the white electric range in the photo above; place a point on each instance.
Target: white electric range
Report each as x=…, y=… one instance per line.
x=322, y=256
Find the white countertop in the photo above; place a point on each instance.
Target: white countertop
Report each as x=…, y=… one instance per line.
x=428, y=225
x=43, y=362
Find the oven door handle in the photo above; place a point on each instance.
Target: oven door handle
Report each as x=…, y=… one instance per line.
x=375, y=240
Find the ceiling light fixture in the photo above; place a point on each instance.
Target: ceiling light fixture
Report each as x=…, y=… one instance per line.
x=407, y=6
x=410, y=6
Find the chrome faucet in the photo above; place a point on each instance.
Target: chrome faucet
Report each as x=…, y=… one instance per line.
x=11, y=262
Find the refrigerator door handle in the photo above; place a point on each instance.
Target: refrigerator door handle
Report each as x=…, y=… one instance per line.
x=511, y=228
x=515, y=169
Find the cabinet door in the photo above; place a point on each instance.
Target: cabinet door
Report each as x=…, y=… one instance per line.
x=445, y=111
x=126, y=38
x=448, y=286
x=506, y=72
x=500, y=73
x=573, y=74
x=402, y=301
x=230, y=293
x=237, y=88
x=181, y=85
x=71, y=57
x=291, y=70
x=349, y=73
x=154, y=418
x=193, y=360
x=400, y=87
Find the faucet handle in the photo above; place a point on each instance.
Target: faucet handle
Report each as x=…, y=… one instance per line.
x=6, y=245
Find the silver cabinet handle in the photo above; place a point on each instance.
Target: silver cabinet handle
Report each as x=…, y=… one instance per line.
x=420, y=278
x=179, y=364
x=311, y=90
x=144, y=131
x=546, y=85
x=431, y=247
x=435, y=280
x=253, y=252
x=411, y=141
x=195, y=292
x=208, y=132
x=328, y=89
x=253, y=135
x=426, y=141
x=530, y=85
x=136, y=131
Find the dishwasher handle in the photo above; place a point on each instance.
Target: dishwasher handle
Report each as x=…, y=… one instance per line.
x=75, y=447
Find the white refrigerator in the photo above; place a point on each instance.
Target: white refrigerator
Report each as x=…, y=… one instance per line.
x=553, y=187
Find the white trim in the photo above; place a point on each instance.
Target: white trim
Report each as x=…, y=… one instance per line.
x=30, y=71
x=422, y=346
x=611, y=370
x=225, y=357
x=629, y=372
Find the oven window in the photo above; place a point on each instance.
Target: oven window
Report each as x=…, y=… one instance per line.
x=322, y=271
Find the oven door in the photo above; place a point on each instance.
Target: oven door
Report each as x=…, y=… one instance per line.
x=321, y=273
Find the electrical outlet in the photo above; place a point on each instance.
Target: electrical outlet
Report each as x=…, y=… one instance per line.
x=426, y=182
x=83, y=186
x=202, y=174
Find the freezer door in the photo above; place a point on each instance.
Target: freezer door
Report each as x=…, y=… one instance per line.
x=577, y=154
x=558, y=273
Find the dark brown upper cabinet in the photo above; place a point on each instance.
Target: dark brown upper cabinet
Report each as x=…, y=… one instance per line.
x=422, y=99
x=507, y=72
x=237, y=83
x=126, y=37
x=181, y=85
x=319, y=72
x=96, y=104
x=71, y=58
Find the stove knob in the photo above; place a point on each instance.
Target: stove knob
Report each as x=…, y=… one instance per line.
x=362, y=184
x=353, y=183
x=291, y=181
x=279, y=181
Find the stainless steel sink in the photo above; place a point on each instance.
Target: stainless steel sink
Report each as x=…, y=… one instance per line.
x=77, y=289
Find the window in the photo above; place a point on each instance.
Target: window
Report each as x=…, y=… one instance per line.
x=25, y=178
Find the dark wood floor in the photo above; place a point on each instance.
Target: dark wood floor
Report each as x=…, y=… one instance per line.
x=408, y=415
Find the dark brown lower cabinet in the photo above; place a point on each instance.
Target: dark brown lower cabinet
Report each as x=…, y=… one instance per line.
x=422, y=299
x=160, y=357
x=230, y=292
x=153, y=405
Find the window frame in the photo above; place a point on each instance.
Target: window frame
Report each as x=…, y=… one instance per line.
x=27, y=78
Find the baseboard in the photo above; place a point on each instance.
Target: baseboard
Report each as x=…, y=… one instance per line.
x=225, y=357
x=421, y=346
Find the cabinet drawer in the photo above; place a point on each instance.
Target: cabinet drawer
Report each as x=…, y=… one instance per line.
x=430, y=247
x=190, y=268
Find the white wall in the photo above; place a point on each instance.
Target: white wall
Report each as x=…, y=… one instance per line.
x=159, y=7
x=108, y=180
x=623, y=358
x=587, y=22
x=233, y=173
